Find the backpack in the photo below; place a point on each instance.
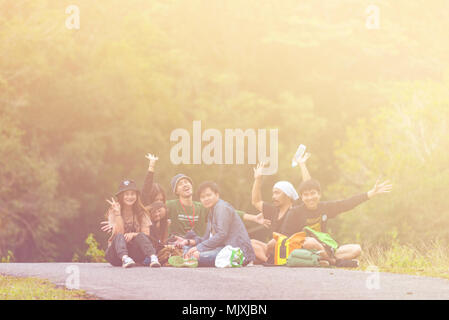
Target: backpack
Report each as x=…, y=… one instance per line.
x=285, y=245
x=325, y=239
x=303, y=258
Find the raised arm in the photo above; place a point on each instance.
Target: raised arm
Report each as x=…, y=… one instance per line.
x=337, y=207
x=256, y=193
x=148, y=182
x=302, y=164
x=379, y=188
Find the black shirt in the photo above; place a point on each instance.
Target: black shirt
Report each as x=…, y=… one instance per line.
x=292, y=221
x=298, y=217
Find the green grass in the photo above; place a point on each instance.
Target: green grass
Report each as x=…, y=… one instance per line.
x=13, y=288
x=430, y=259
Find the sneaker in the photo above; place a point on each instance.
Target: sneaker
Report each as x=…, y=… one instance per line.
x=347, y=263
x=179, y=262
x=154, y=262
x=127, y=262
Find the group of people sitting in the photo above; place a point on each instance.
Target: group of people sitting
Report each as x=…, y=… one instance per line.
x=143, y=223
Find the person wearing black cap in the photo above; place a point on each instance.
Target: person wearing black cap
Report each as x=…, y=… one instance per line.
x=129, y=223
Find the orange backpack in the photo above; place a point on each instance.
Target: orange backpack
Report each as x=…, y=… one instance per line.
x=285, y=245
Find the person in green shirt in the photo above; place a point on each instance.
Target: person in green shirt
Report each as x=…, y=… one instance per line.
x=184, y=213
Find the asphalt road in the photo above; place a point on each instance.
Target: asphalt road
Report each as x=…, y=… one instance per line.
x=258, y=282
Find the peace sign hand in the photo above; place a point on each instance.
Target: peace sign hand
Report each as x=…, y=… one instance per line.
x=115, y=206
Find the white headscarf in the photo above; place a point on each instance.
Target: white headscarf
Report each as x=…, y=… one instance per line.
x=287, y=188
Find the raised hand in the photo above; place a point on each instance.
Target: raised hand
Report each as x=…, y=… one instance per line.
x=115, y=206
x=106, y=226
x=379, y=188
x=304, y=158
x=152, y=158
x=258, y=171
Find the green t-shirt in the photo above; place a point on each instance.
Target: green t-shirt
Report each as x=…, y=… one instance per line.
x=183, y=221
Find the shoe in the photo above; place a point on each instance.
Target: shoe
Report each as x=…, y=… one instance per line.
x=127, y=262
x=179, y=262
x=154, y=262
x=347, y=263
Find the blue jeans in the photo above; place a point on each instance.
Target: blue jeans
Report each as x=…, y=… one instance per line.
x=207, y=258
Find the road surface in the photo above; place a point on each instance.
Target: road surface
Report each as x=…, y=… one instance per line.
x=258, y=282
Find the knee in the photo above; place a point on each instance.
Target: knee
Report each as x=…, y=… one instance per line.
x=311, y=243
x=357, y=250
x=141, y=236
x=118, y=237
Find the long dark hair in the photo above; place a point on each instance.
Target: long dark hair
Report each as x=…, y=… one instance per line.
x=162, y=231
x=139, y=211
x=155, y=190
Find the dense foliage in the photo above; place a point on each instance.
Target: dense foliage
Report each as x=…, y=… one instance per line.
x=80, y=108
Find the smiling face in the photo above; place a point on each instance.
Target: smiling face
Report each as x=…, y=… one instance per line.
x=209, y=198
x=184, y=188
x=279, y=198
x=129, y=197
x=311, y=198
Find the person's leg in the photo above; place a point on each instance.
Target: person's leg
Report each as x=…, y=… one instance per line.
x=348, y=252
x=116, y=250
x=271, y=247
x=207, y=258
x=313, y=244
x=261, y=250
x=141, y=248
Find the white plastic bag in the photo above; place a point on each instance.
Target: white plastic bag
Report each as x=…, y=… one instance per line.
x=229, y=257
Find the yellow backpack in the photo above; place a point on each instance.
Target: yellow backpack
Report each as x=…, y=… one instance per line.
x=285, y=245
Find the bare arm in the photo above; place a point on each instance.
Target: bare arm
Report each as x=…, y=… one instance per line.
x=256, y=193
x=148, y=182
x=302, y=164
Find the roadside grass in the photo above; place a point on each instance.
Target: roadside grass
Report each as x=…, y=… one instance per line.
x=15, y=288
x=428, y=259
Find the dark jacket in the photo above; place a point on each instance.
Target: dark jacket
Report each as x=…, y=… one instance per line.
x=228, y=229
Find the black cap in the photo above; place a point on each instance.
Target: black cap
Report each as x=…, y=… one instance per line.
x=126, y=185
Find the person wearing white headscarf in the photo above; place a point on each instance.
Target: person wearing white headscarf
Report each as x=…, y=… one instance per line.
x=287, y=188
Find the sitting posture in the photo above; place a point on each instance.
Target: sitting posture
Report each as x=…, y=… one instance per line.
x=316, y=214
x=288, y=219
x=224, y=227
x=129, y=223
x=183, y=213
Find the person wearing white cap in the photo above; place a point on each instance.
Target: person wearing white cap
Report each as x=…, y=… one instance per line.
x=283, y=197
